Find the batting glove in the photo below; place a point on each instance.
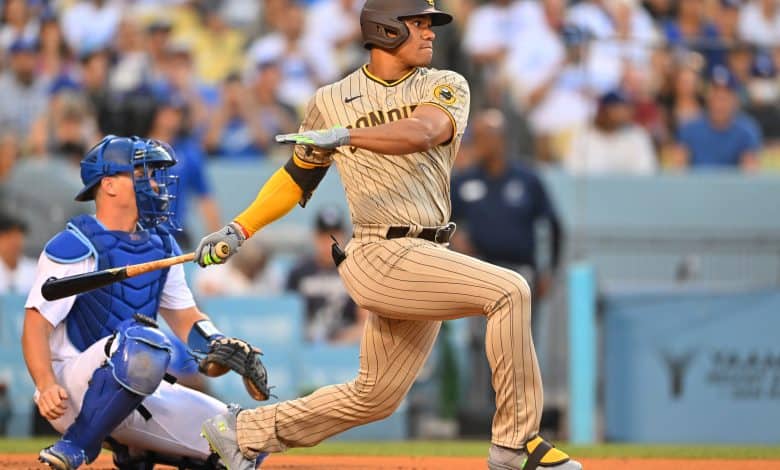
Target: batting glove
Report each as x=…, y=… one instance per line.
x=206, y=254
x=326, y=139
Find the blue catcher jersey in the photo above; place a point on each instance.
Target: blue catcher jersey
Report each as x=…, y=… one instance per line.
x=96, y=314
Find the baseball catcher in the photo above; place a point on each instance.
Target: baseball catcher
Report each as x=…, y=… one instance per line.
x=98, y=360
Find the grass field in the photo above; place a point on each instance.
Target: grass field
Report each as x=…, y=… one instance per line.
x=478, y=449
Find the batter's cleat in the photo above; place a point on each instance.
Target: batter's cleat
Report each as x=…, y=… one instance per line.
x=63, y=455
x=536, y=454
x=220, y=431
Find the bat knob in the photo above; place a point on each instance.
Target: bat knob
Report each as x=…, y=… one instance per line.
x=222, y=250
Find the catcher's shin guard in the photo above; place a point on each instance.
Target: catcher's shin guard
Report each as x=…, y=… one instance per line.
x=106, y=404
x=134, y=370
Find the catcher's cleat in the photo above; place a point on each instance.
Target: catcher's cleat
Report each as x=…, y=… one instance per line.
x=63, y=455
x=220, y=432
x=536, y=454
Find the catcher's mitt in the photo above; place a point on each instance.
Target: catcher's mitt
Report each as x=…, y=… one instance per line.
x=232, y=353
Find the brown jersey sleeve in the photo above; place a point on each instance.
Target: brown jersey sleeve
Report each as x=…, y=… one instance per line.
x=313, y=120
x=449, y=91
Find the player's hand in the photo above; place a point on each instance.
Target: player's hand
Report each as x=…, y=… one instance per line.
x=206, y=254
x=52, y=401
x=326, y=139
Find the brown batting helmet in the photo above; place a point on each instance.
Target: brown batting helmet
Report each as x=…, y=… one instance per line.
x=379, y=17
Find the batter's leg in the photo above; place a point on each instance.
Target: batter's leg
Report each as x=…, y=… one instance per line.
x=392, y=352
x=414, y=279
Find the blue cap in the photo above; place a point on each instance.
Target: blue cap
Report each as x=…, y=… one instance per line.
x=722, y=76
x=736, y=4
x=64, y=82
x=23, y=44
x=616, y=96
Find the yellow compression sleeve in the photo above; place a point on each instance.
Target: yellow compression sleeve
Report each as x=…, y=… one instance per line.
x=276, y=198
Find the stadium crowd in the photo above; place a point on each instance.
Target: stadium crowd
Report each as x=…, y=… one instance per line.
x=590, y=86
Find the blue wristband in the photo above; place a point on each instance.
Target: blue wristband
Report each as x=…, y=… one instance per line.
x=203, y=332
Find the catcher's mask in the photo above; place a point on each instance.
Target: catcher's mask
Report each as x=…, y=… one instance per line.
x=379, y=17
x=155, y=188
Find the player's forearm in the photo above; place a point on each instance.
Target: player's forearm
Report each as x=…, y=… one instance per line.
x=276, y=198
x=396, y=138
x=35, y=347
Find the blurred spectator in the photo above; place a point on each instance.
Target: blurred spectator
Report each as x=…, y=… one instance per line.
x=245, y=128
x=612, y=143
x=691, y=29
x=9, y=153
x=17, y=272
x=727, y=21
x=342, y=37
x=181, y=80
x=764, y=92
x=93, y=78
x=739, y=60
x=168, y=126
x=548, y=80
x=89, y=25
x=158, y=37
x=66, y=130
x=17, y=23
x=217, y=47
x=247, y=273
x=487, y=37
x=229, y=134
x=131, y=64
x=331, y=315
x=683, y=98
x=55, y=57
x=498, y=203
x=759, y=23
x=638, y=87
x=305, y=64
x=23, y=95
x=724, y=137
x=622, y=33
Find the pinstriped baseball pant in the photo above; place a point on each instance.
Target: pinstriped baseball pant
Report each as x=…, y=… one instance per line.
x=411, y=285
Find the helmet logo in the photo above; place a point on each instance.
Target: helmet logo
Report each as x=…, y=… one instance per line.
x=445, y=94
x=430, y=2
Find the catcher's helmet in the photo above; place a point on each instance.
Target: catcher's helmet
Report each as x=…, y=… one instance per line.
x=380, y=16
x=114, y=155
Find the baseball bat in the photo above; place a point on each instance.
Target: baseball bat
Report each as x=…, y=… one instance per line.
x=54, y=288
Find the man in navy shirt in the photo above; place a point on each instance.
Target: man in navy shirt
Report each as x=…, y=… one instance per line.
x=723, y=136
x=504, y=200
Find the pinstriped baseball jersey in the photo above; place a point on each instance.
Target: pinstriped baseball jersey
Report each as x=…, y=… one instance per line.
x=411, y=190
x=408, y=284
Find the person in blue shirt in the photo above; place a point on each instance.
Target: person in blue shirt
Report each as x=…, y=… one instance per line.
x=505, y=199
x=168, y=126
x=724, y=136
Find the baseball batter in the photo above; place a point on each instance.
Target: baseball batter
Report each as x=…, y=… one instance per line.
x=98, y=366
x=393, y=128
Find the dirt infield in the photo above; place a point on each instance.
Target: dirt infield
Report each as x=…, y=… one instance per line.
x=292, y=462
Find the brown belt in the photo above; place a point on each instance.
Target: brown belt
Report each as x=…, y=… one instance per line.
x=434, y=234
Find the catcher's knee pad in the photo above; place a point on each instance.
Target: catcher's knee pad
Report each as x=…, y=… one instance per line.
x=141, y=354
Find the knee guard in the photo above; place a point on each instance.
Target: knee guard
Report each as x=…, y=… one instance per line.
x=141, y=354
x=141, y=357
